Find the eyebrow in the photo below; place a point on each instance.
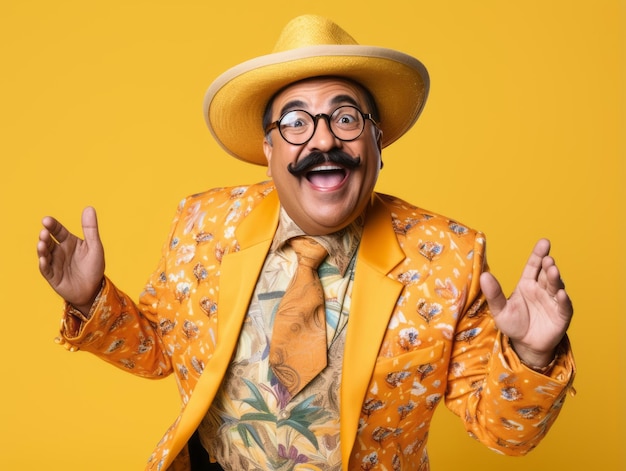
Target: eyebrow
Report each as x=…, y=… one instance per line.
x=291, y=105
x=343, y=99
x=337, y=100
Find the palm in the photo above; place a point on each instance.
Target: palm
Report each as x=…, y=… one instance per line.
x=537, y=314
x=73, y=267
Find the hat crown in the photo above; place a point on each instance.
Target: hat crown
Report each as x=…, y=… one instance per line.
x=311, y=30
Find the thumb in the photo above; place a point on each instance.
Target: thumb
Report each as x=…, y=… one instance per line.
x=90, y=226
x=493, y=293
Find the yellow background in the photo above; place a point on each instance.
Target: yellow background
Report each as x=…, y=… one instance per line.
x=100, y=104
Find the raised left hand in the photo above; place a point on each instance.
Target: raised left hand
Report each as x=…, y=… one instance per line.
x=537, y=314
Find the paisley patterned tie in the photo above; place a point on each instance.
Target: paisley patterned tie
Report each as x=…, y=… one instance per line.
x=298, y=348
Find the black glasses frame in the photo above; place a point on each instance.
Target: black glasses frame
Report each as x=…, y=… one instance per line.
x=315, y=118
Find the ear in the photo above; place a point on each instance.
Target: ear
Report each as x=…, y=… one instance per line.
x=379, y=139
x=267, y=150
x=379, y=143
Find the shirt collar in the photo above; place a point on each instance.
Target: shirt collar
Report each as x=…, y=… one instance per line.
x=341, y=245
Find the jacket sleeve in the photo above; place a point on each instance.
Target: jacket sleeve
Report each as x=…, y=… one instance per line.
x=126, y=334
x=503, y=404
x=119, y=332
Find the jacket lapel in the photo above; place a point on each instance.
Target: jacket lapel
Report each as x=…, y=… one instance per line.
x=373, y=300
x=239, y=273
x=240, y=270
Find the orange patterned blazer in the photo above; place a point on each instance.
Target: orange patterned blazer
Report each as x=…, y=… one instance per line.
x=419, y=330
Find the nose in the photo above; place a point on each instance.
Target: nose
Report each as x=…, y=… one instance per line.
x=323, y=139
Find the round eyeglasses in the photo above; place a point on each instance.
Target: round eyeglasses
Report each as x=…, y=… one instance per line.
x=297, y=127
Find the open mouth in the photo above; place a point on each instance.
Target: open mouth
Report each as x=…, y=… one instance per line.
x=327, y=176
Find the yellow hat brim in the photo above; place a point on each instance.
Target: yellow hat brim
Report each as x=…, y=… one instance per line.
x=234, y=103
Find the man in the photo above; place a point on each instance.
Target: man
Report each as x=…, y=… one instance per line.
x=406, y=315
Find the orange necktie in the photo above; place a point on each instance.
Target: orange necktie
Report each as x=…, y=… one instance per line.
x=298, y=346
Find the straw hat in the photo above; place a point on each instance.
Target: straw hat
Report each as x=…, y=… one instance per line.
x=312, y=46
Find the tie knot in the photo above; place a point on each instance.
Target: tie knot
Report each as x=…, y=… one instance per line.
x=310, y=252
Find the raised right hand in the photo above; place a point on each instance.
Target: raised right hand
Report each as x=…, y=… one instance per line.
x=72, y=266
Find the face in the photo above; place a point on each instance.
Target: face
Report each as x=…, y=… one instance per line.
x=329, y=196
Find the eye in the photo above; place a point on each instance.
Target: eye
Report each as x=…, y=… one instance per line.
x=346, y=117
x=295, y=119
x=296, y=123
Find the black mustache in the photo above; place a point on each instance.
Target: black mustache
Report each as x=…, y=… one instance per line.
x=335, y=156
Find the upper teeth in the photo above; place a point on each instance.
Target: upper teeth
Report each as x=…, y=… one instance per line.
x=326, y=167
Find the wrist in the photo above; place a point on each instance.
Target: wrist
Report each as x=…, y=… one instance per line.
x=540, y=362
x=85, y=308
x=544, y=370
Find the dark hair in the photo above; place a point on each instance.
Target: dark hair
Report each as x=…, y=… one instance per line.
x=370, y=103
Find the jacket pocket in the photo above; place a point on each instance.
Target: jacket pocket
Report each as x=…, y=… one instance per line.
x=407, y=361
x=415, y=379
